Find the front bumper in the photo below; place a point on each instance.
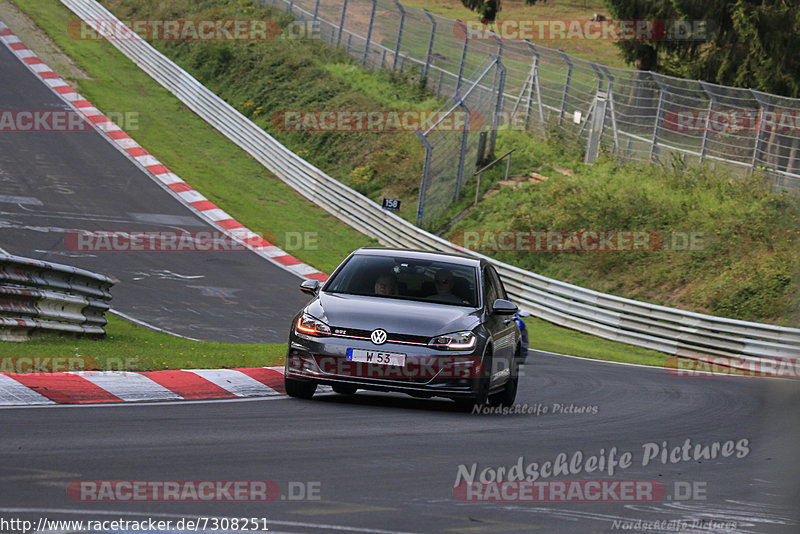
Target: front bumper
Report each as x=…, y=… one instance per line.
x=427, y=371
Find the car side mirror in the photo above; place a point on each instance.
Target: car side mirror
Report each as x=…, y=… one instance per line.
x=503, y=307
x=310, y=286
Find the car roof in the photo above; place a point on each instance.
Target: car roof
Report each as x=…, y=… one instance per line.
x=417, y=254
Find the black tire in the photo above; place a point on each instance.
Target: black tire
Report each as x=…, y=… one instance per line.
x=509, y=393
x=344, y=389
x=301, y=389
x=481, y=391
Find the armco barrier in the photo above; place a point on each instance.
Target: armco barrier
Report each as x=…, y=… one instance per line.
x=669, y=330
x=38, y=296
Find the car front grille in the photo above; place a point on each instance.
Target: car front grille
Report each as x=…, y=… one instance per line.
x=355, y=333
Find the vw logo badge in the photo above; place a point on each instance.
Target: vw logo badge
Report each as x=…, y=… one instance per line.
x=378, y=336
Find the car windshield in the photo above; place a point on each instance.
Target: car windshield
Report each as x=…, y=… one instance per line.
x=408, y=279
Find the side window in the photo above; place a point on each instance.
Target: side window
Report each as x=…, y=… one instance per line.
x=489, y=289
x=499, y=289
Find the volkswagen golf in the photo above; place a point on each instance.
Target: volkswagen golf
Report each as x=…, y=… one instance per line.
x=422, y=323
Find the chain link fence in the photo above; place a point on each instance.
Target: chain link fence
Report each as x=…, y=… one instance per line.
x=636, y=115
x=452, y=152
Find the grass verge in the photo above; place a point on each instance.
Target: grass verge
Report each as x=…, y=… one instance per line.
x=128, y=347
x=551, y=338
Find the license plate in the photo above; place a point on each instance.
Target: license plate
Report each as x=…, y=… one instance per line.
x=375, y=356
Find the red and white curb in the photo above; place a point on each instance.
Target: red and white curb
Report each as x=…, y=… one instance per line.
x=154, y=168
x=85, y=387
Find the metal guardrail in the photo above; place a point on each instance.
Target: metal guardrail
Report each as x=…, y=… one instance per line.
x=38, y=296
x=669, y=330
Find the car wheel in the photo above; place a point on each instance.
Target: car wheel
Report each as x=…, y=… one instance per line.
x=509, y=393
x=344, y=389
x=481, y=392
x=301, y=389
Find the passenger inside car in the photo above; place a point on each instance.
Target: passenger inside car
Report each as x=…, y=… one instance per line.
x=444, y=281
x=386, y=284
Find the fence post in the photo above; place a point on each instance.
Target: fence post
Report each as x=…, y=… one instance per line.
x=534, y=80
x=499, y=104
x=565, y=57
x=613, y=110
x=499, y=57
x=341, y=24
x=426, y=167
x=430, y=43
x=793, y=160
x=762, y=107
x=711, y=101
x=597, y=118
x=659, y=113
x=594, y=100
x=399, y=33
x=463, y=58
x=316, y=11
x=463, y=153
x=291, y=6
x=369, y=33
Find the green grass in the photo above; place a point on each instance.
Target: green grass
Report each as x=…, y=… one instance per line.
x=128, y=347
x=746, y=263
x=602, y=51
x=307, y=75
x=550, y=338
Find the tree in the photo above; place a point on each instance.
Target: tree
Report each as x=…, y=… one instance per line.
x=752, y=43
x=488, y=9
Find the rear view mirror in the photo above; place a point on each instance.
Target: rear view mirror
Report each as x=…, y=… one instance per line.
x=310, y=286
x=503, y=307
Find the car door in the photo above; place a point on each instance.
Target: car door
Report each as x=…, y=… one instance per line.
x=502, y=327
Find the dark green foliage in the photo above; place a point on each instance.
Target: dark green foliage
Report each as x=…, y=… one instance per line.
x=488, y=9
x=752, y=44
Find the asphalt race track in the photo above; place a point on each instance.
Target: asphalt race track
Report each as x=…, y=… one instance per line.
x=364, y=463
x=54, y=183
x=390, y=462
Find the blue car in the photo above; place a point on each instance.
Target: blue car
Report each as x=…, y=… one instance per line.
x=524, y=331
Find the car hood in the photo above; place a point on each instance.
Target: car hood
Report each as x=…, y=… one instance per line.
x=392, y=315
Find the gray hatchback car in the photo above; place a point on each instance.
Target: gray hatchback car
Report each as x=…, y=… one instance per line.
x=422, y=323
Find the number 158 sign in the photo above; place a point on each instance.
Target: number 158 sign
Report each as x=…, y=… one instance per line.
x=392, y=204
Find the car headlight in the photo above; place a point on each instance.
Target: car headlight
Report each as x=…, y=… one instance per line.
x=311, y=326
x=456, y=341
